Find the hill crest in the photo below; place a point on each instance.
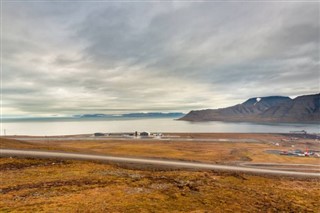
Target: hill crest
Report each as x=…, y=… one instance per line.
x=304, y=108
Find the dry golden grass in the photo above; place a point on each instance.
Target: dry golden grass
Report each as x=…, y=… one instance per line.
x=214, y=152
x=33, y=185
x=29, y=185
x=6, y=143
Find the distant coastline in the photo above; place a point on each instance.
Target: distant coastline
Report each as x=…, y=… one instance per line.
x=97, y=117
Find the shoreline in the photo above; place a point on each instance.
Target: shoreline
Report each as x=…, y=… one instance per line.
x=171, y=135
x=163, y=125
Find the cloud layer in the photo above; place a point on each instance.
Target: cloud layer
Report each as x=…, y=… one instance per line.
x=84, y=57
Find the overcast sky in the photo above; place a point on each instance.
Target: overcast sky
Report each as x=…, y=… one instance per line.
x=106, y=57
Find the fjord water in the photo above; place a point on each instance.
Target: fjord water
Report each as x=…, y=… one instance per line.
x=47, y=127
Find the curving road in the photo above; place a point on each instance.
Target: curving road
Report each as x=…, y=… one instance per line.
x=177, y=164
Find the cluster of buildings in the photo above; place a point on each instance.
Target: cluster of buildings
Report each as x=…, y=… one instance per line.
x=299, y=153
x=130, y=134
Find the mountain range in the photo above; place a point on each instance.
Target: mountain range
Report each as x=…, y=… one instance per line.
x=132, y=115
x=302, y=109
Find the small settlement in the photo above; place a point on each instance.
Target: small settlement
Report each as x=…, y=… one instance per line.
x=296, y=135
x=128, y=134
x=300, y=153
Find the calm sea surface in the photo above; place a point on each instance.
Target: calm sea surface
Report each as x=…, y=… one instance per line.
x=46, y=127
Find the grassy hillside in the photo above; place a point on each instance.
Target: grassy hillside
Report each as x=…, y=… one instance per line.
x=29, y=185
x=34, y=185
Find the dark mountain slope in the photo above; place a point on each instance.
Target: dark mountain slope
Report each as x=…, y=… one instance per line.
x=303, y=108
x=265, y=109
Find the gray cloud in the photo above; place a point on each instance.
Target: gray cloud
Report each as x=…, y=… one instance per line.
x=72, y=58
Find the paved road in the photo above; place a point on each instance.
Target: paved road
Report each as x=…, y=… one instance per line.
x=284, y=166
x=177, y=164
